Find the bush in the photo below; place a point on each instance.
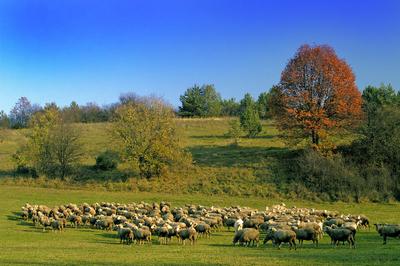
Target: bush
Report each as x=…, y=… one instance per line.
x=331, y=175
x=107, y=160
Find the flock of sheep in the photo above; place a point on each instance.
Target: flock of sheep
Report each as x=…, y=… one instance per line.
x=138, y=222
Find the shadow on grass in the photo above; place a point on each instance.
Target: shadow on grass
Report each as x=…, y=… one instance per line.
x=229, y=156
x=108, y=235
x=15, y=216
x=9, y=173
x=86, y=173
x=227, y=137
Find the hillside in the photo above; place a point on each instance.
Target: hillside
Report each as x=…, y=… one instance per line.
x=204, y=138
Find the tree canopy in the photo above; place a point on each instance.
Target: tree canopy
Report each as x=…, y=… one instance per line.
x=202, y=101
x=317, y=93
x=146, y=136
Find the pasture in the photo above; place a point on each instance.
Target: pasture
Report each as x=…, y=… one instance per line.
x=22, y=243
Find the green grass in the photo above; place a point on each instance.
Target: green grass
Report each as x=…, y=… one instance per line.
x=22, y=243
x=219, y=164
x=246, y=171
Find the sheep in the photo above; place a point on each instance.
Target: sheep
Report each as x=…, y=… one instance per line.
x=279, y=236
x=57, y=225
x=75, y=220
x=238, y=225
x=141, y=235
x=317, y=226
x=163, y=233
x=336, y=221
x=45, y=222
x=187, y=233
x=249, y=235
x=237, y=236
x=104, y=224
x=24, y=215
x=340, y=234
x=125, y=234
x=229, y=222
x=251, y=223
x=306, y=234
x=388, y=230
x=364, y=221
x=203, y=229
x=352, y=226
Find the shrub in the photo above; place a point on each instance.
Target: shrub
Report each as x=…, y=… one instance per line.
x=107, y=160
x=331, y=175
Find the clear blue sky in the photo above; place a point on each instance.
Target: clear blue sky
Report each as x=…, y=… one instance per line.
x=93, y=50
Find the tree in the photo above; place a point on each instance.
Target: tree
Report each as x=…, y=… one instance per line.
x=145, y=134
x=65, y=148
x=375, y=98
x=263, y=105
x=129, y=97
x=230, y=107
x=21, y=113
x=53, y=146
x=249, y=118
x=202, y=101
x=235, y=131
x=317, y=94
x=92, y=113
x=72, y=113
x=4, y=120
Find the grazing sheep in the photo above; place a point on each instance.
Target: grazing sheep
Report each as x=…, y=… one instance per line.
x=163, y=233
x=229, y=222
x=251, y=223
x=141, y=235
x=237, y=236
x=187, y=233
x=57, y=225
x=104, y=224
x=279, y=236
x=352, y=226
x=364, y=221
x=45, y=222
x=75, y=220
x=388, y=230
x=238, y=225
x=340, y=234
x=125, y=235
x=307, y=234
x=249, y=235
x=317, y=226
x=203, y=229
x=335, y=221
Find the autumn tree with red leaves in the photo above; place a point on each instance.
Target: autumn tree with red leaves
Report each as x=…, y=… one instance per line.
x=316, y=95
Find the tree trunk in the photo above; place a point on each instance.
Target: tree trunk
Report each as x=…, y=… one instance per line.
x=315, y=137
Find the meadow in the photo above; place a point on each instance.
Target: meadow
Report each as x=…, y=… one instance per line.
x=219, y=164
x=229, y=175
x=22, y=243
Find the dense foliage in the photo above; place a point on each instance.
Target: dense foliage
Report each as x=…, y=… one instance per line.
x=146, y=136
x=53, y=146
x=249, y=118
x=317, y=94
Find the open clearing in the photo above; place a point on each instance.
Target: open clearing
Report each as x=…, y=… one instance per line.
x=22, y=243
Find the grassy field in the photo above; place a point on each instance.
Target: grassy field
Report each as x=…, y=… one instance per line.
x=227, y=175
x=220, y=164
x=22, y=243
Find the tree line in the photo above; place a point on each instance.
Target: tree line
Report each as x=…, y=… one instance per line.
x=315, y=102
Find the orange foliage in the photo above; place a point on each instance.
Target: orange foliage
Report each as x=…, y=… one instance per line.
x=317, y=93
